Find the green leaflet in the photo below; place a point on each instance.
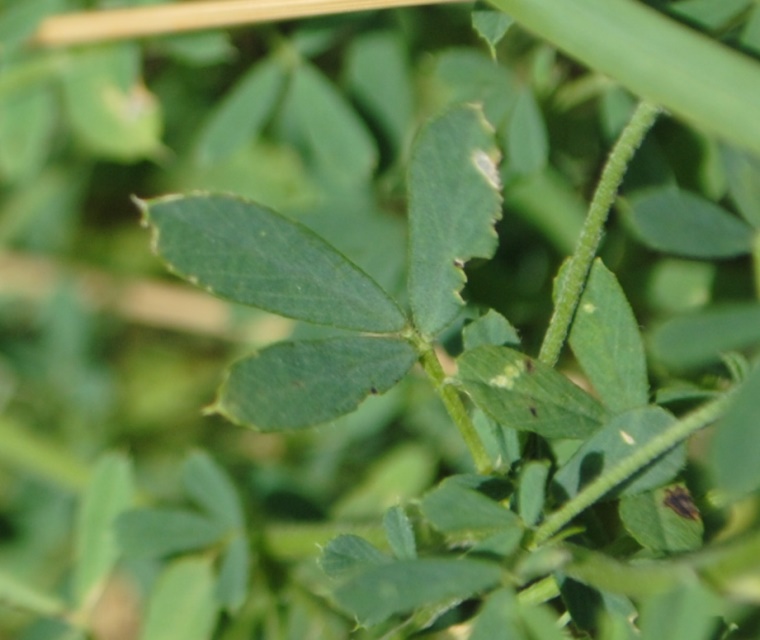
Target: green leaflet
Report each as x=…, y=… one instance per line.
x=527, y=141
x=490, y=329
x=110, y=492
x=348, y=554
x=402, y=586
x=522, y=393
x=490, y=25
x=109, y=109
x=663, y=520
x=606, y=341
x=683, y=223
x=335, y=139
x=698, y=79
x=503, y=617
x=688, y=612
x=459, y=508
x=291, y=385
x=619, y=438
x=206, y=483
x=531, y=492
x=234, y=570
x=379, y=78
x=249, y=254
x=156, y=532
x=189, y=581
x=454, y=202
x=733, y=451
x=699, y=338
x=400, y=533
x=243, y=111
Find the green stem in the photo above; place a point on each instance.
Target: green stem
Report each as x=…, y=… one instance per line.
x=455, y=407
x=624, y=469
x=580, y=263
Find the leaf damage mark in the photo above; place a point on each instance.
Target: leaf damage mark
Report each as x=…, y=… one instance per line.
x=589, y=308
x=679, y=500
x=507, y=379
x=627, y=437
x=487, y=166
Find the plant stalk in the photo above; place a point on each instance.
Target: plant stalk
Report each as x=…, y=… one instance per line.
x=591, y=234
x=162, y=19
x=624, y=469
x=455, y=408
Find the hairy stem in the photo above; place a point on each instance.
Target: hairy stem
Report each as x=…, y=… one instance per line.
x=624, y=469
x=591, y=234
x=455, y=407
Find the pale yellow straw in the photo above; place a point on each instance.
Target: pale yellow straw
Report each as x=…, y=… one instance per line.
x=138, y=22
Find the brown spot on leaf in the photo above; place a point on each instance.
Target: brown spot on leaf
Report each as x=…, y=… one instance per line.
x=679, y=500
x=373, y=390
x=529, y=366
x=533, y=412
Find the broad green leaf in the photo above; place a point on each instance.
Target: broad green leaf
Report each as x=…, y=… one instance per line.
x=531, y=491
x=454, y=203
x=291, y=385
x=606, y=36
x=405, y=585
x=689, y=612
x=242, y=113
x=732, y=456
x=663, y=520
x=522, y=393
x=182, y=605
x=109, y=109
x=109, y=494
x=378, y=77
x=398, y=530
x=348, y=554
x=456, y=507
x=683, y=223
x=234, y=569
x=743, y=175
x=527, y=139
x=700, y=338
x=491, y=25
x=27, y=121
x=401, y=474
x=207, y=484
x=606, y=341
x=153, y=533
x=490, y=329
x=252, y=255
x=619, y=438
x=336, y=140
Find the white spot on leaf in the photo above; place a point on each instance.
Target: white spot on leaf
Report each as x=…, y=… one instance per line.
x=588, y=308
x=487, y=166
x=627, y=437
x=507, y=379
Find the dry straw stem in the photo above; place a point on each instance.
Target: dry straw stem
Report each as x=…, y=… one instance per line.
x=139, y=22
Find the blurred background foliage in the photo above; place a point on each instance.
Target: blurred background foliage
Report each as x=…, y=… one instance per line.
x=101, y=350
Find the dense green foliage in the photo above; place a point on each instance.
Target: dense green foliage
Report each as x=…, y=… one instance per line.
x=375, y=221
